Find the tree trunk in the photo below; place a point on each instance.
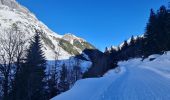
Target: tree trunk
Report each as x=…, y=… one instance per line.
x=5, y=88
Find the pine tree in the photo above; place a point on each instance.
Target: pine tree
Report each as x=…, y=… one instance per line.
x=168, y=28
x=125, y=45
x=139, y=47
x=124, y=54
x=33, y=72
x=161, y=30
x=132, y=47
x=132, y=41
x=113, y=50
x=106, y=51
x=151, y=44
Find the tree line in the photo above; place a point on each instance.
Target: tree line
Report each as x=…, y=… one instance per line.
x=156, y=39
x=24, y=74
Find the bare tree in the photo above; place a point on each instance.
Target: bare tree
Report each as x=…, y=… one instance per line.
x=53, y=76
x=77, y=70
x=57, y=54
x=11, y=51
x=74, y=74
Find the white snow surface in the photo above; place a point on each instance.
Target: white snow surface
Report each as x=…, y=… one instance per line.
x=70, y=63
x=136, y=80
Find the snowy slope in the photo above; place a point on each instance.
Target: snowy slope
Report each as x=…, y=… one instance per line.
x=137, y=80
x=13, y=13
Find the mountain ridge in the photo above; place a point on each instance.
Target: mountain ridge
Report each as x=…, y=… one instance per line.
x=11, y=12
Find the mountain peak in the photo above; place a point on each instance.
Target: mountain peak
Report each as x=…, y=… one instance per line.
x=9, y=3
x=71, y=38
x=13, y=4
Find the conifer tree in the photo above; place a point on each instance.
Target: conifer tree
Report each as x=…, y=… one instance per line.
x=151, y=45
x=168, y=28
x=161, y=30
x=125, y=45
x=132, y=47
x=32, y=73
x=124, y=54
x=106, y=50
x=113, y=50
x=132, y=41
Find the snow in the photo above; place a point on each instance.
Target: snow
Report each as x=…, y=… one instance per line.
x=11, y=12
x=112, y=47
x=85, y=56
x=85, y=65
x=135, y=79
x=70, y=37
x=27, y=23
x=70, y=63
x=88, y=89
x=14, y=5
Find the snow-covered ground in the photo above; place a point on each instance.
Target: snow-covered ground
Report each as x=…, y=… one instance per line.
x=137, y=80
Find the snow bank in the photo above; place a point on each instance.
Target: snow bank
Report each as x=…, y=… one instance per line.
x=90, y=89
x=159, y=63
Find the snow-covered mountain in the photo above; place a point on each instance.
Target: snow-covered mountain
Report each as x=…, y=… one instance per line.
x=11, y=12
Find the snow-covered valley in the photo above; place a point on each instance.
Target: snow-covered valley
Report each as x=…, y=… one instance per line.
x=37, y=63
x=137, y=80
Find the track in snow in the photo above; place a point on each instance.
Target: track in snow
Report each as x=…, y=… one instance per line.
x=137, y=80
x=138, y=84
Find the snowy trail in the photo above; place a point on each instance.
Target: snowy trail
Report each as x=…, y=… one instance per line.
x=138, y=84
x=134, y=83
x=138, y=80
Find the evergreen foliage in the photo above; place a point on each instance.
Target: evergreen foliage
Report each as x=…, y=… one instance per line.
x=31, y=77
x=156, y=39
x=157, y=32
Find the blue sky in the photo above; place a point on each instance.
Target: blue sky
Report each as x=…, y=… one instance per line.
x=101, y=22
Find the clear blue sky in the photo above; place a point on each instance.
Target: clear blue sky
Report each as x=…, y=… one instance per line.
x=101, y=22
